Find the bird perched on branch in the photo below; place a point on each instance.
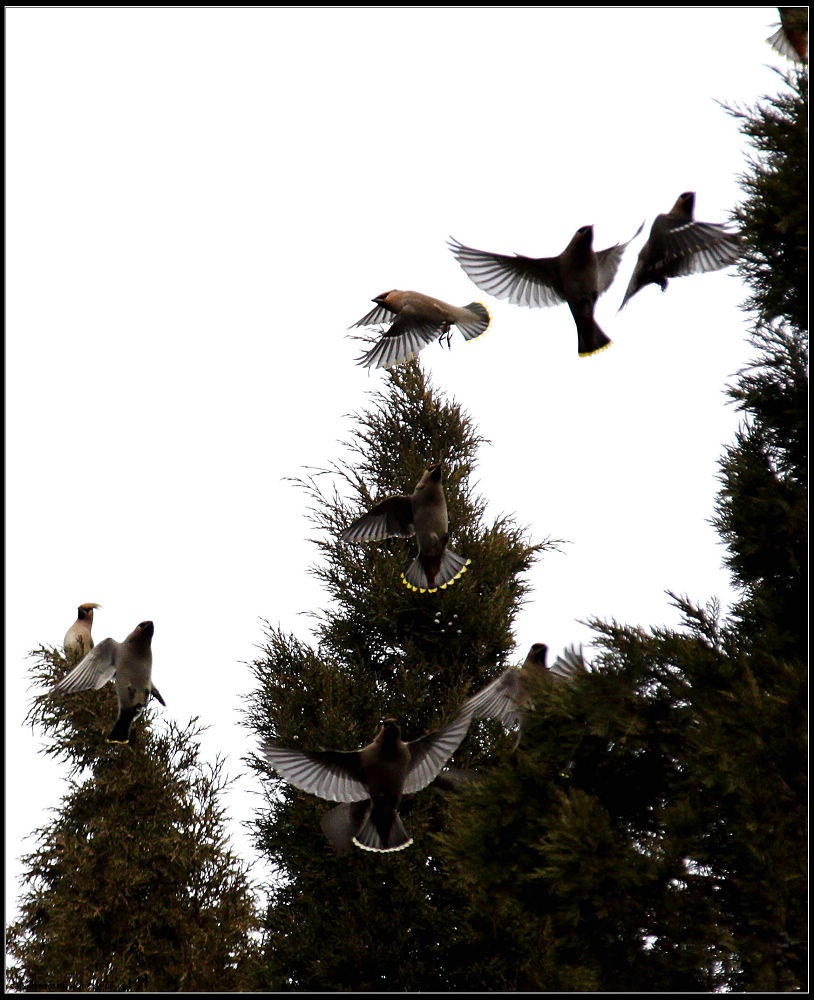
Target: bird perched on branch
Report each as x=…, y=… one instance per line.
x=78, y=639
x=369, y=783
x=419, y=320
x=577, y=276
x=677, y=246
x=129, y=664
x=423, y=514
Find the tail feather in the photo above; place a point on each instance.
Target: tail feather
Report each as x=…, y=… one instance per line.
x=450, y=568
x=395, y=839
x=477, y=325
x=591, y=339
x=341, y=824
x=120, y=733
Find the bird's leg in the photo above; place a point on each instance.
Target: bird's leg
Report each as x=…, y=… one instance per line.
x=446, y=336
x=662, y=283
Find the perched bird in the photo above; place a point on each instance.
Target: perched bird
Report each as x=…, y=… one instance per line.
x=419, y=319
x=423, y=514
x=677, y=246
x=369, y=783
x=78, y=639
x=577, y=276
x=508, y=697
x=129, y=664
x=791, y=38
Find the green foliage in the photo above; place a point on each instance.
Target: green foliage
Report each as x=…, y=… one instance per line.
x=363, y=921
x=131, y=886
x=650, y=832
x=762, y=508
x=773, y=218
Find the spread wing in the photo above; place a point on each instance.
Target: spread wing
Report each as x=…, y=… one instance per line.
x=94, y=670
x=379, y=314
x=331, y=774
x=500, y=699
x=524, y=281
x=687, y=247
x=408, y=334
x=429, y=753
x=608, y=261
x=391, y=518
x=569, y=663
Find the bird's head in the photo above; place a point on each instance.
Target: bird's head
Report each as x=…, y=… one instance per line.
x=685, y=203
x=584, y=237
x=141, y=635
x=538, y=653
x=430, y=476
x=86, y=610
x=390, y=728
x=381, y=299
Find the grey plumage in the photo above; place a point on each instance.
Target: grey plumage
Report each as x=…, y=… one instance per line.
x=417, y=320
x=678, y=246
x=369, y=783
x=78, y=640
x=577, y=276
x=129, y=665
x=423, y=514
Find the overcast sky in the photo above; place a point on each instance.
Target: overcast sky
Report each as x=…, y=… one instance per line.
x=200, y=201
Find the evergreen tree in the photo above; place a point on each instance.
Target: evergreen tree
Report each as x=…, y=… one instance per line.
x=650, y=833
x=131, y=886
x=360, y=920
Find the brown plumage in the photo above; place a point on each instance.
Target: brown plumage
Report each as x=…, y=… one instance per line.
x=577, y=276
x=509, y=697
x=419, y=320
x=78, y=640
x=677, y=246
x=791, y=38
x=423, y=514
x=369, y=783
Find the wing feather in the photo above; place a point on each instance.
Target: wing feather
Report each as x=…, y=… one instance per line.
x=429, y=753
x=379, y=314
x=94, y=670
x=524, y=281
x=335, y=775
x=391, y=518
x=500, y=699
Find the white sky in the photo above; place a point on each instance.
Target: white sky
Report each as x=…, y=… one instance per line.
x=200, y=201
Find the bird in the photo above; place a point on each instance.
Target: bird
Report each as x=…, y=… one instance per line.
x=677, y=246
x=423, y=514
x=577, y=276
x=78, y=640
x=419, y=319
x=129, y=665
x=509, y=697
x=791, y=38
x=369, y=783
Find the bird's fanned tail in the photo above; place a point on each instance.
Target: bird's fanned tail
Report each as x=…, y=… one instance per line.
x=590, y=337
x=450, y=568
x=369, y=838
x=477, y=325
